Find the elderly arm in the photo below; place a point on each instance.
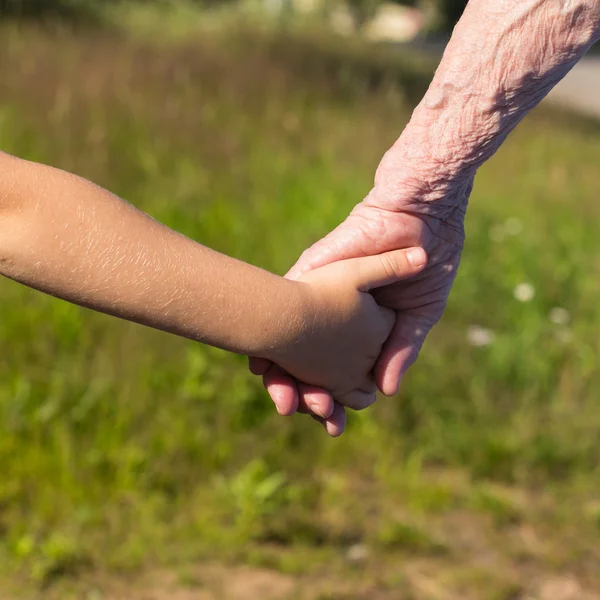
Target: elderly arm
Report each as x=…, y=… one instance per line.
x=503, y=59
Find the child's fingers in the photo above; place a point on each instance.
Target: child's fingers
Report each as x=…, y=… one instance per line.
x=378, y=270
x=314, y=400
x=357, y=399
x=258, y=366
x=282, y=389
x=336, y=423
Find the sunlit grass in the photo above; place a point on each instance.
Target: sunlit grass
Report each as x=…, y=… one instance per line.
x=122, y=446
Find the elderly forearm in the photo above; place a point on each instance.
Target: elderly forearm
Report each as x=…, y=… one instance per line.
x=503, y=58
x=65, y=236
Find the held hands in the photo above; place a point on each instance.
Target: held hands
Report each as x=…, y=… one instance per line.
x=342, y=333
x=379, y=224
x=415, y=203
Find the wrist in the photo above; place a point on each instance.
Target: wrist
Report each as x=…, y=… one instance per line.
x=414, y=177
x=286, y=322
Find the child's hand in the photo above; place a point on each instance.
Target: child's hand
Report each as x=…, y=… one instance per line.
x=342, y=329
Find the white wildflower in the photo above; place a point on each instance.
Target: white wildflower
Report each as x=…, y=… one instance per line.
x=524, y=292
x=559, y=316
x=479, y=336
x=513, y=226
x=357, y=553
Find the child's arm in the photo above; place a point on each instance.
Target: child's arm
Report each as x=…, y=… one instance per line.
x=67, y=237
x=70, y=238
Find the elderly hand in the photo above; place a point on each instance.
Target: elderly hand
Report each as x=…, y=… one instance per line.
x=398, y=213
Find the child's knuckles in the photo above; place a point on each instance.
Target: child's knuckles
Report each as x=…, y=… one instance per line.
x=368, y=386
x=357, y=399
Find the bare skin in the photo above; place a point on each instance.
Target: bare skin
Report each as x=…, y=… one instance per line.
x=502, y=60
x=67, y=237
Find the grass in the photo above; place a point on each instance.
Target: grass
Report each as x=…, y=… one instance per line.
x=124, y=450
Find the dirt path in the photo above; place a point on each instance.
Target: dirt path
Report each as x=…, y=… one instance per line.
x=418, y=580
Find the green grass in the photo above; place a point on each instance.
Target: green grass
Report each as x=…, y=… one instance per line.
x=123, y=448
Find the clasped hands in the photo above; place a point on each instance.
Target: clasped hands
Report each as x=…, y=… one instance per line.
x=414, y=295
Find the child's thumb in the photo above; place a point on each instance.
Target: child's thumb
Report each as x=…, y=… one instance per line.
x=383, y=269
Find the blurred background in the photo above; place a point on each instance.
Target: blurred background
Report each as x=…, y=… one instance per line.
x=135, y=465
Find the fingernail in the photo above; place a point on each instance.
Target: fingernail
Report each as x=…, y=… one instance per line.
x=332, y=430
x=282, y=412
x=416, y=257
x=397, y=388
x=316, y=410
